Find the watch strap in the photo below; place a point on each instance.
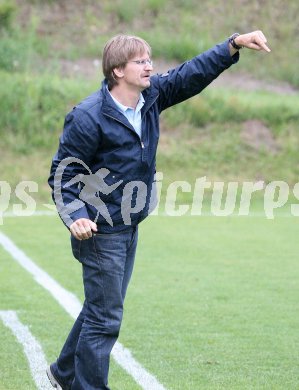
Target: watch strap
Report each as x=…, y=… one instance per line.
x=231, y=40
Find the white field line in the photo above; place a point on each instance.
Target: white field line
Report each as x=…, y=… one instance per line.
x=32, y=349
x=72, y=306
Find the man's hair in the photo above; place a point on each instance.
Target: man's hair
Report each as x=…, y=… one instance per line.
x=118, y=51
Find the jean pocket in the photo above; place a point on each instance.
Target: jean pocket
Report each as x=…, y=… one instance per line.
x=76, y=247
x=111, y=252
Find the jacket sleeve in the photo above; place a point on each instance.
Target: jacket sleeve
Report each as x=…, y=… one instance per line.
x=77, y=147
x=191, y=77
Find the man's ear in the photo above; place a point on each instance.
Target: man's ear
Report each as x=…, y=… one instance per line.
x=118, y=72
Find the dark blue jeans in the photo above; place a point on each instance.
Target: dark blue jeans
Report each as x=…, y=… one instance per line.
x=107, y=261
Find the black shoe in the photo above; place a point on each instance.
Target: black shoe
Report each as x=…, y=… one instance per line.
x=53, y=380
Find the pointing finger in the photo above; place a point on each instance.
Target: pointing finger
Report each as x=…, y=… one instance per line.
x=261, y=41
x=260, y=33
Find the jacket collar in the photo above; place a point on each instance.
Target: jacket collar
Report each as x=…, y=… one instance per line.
x=110, y=108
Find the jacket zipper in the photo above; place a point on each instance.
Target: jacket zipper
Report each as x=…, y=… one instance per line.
x=119, y=121
x=142, y=143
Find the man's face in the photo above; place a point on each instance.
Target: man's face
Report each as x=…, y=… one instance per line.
x=136, y=73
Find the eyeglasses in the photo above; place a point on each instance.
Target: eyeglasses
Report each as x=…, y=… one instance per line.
x=143, y=62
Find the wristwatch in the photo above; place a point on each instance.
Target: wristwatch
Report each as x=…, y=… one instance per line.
x=231, y=40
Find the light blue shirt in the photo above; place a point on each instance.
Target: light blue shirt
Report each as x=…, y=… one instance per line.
x=133, y=115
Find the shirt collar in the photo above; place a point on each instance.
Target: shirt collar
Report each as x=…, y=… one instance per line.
x=124, y=108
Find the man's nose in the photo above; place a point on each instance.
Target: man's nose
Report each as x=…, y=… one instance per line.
x=149, y=66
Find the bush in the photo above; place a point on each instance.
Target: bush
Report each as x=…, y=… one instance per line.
x=19, y=47
x=126, y=10
x=233, y=106
x=7, y=11
x=13, y=53
x=33, y=108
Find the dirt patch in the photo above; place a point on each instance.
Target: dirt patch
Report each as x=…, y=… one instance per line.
x=91, y=68
x=255, y=134
x=246, y=82
x=86, y=68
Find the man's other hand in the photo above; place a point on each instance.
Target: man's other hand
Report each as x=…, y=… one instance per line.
x=82, y=228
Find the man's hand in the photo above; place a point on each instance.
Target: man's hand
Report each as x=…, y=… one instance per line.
x=255, y=40
x=82, y=228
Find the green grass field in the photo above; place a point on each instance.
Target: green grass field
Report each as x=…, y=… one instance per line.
x=213, y=302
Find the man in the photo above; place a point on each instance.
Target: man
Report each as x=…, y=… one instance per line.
x=107, y=151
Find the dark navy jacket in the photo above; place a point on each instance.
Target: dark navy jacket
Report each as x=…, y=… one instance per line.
x=96, y=135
